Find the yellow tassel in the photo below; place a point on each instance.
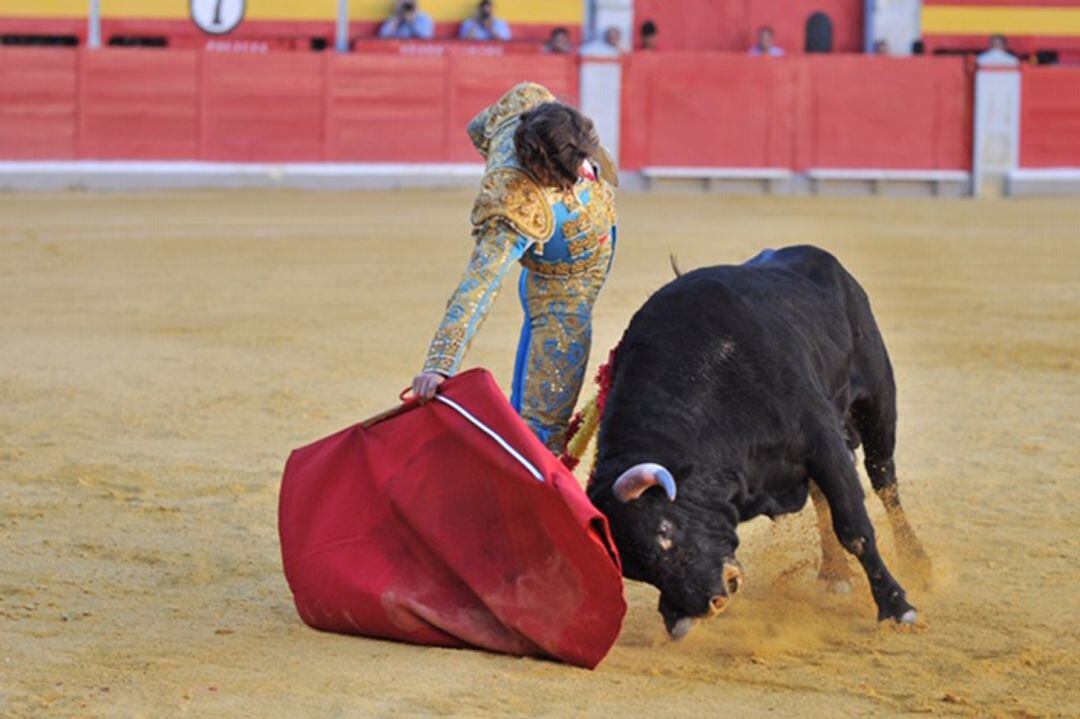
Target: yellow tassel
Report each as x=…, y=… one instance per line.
x=590, y=422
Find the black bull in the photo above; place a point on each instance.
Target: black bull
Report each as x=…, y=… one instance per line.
x=739, y=391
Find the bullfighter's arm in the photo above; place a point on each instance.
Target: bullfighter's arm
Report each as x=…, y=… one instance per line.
x=498, y=247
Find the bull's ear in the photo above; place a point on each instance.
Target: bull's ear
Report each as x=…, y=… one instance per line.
x=632, y=483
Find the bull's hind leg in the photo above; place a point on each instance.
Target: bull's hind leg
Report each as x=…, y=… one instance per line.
x=834, y=567
x=913, y=558
x=877, y=425
x=835, y=474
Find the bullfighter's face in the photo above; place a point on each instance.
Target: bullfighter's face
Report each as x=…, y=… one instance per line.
x=681, y=545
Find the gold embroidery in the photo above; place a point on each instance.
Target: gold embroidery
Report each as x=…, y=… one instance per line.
x=565, y=269
x=560, y=310
x=517, y=101
x=520, y=99
x=510, y=194
x=497, y=246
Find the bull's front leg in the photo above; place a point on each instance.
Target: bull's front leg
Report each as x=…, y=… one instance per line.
x=835, y=475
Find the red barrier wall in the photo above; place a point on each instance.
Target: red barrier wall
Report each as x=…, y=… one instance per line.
x=139, y=104
x=1050, y=117
x=731, y=25
x=887, y=112
x=821, y=111
x=184, y=104
x=375, y=114
x=38, y=104
x=266, y=107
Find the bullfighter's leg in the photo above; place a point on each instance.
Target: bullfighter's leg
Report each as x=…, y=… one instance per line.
x=835, y=474
x=877, y=426
x=559, y=310
x=834, y=567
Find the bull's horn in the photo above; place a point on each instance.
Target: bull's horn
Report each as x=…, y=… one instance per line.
x=632, y=483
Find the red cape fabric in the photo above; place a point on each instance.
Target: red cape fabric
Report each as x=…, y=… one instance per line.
x=420, y=527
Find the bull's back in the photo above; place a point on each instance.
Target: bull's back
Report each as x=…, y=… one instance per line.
x=793, y=314
x=790, y=294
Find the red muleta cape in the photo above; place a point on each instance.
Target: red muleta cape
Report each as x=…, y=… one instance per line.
x=422, y=527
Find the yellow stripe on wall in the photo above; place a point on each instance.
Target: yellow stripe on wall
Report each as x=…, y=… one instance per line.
x=986, y=20
x=544, y=12
x=43, y=8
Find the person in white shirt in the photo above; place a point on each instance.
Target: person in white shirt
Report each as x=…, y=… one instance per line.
x=998, y=53
x=766, y=43
x=610, y=45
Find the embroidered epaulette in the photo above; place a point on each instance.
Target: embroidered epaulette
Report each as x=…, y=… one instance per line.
x=510, y=194
x=519, y=100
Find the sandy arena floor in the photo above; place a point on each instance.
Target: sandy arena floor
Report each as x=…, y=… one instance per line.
x=160, y=354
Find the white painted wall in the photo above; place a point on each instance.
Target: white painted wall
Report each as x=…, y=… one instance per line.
x=996, y=143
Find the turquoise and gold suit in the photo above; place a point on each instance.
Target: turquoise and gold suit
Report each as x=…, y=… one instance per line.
x=565, y=239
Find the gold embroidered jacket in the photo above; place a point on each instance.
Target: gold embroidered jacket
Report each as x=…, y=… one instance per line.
x=515, y=218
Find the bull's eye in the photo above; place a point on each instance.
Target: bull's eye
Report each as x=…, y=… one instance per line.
x=665, y=534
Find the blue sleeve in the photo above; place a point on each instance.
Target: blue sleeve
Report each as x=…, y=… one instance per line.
x=498, y=248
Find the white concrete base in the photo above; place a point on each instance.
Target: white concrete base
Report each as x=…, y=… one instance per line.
x=739, y=180
x=125, y=175
x=903, y=183
x=1048, y=181
x=817, y=181
x=122, y=175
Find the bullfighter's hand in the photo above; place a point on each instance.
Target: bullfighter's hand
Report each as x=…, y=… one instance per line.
x=425, y=384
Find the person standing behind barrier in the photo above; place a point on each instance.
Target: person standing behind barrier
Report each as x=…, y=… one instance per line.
x=559, y=42
x=766, y=43
x=547, y=201
x=649, y=33
x=408, y=23
x=484, y=25
x=998, y=53
x=610, y=45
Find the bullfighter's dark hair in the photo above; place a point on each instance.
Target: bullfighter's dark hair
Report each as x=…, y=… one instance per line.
x=552, y=141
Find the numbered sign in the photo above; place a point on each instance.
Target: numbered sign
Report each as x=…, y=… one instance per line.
x=218, y=17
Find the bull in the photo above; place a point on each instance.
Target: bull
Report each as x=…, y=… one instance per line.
x=739, y=391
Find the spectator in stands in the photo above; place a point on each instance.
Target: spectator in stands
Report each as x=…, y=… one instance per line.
x=998, y=53
x=559, y=42
x=484, y=25
x=408, y=23
x=766, y=43
x=610, y=45
x=881, y=47
x=918, y=47
x=649, y=33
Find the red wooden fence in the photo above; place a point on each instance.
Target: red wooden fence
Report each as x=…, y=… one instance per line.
x=1050, y=117
x=186, y=104
x=840, y=111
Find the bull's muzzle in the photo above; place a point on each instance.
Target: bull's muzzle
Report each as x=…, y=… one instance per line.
x=732, y=583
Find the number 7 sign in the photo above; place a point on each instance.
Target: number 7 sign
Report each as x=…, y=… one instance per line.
x=218, y=17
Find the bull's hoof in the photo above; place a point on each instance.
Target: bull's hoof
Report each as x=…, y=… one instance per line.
x=903, y=614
